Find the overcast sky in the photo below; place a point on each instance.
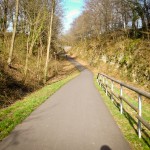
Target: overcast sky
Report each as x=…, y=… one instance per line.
x=73, y=9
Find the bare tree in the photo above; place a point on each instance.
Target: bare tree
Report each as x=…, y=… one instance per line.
x=49, y=40
x=13, y=35
x=36, y=28
x=4, y=13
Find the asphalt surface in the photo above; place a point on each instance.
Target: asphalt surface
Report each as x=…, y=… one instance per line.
x=74, y=118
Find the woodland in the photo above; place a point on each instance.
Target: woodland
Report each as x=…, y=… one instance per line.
x=29, y=44
x=113, y=33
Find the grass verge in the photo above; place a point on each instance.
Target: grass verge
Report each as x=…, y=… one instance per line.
x=16, y=113
x=126, y=123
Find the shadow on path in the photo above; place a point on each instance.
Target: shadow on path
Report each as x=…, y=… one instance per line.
x=105, y=147
x=76, y=64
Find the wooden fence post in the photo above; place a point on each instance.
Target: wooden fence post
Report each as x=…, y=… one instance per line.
x=112, y=89
x=100, y=82
x=98, y=77
x=121, y=102
x=140, y=114
x=106, y=86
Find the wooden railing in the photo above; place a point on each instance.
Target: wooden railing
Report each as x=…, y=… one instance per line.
x=103, y=79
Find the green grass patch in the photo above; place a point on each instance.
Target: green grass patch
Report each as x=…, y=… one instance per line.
x=16, y=113
x=127, y=123
x=133, y=100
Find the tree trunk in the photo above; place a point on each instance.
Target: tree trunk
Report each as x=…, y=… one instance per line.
x=13, y=35
x=40, y=53
x=49, y=41
x=143, y=22
x=4, y=24
x=27, y=59
x=147, y=14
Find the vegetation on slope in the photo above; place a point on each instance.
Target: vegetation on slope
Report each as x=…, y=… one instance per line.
x=16, y=113
x=114, y=34
x=29, y=46
x=129, y=57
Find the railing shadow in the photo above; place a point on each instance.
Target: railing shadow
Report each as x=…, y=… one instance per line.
x=133, y=123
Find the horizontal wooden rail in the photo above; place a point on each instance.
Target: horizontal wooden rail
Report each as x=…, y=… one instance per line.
x=141, y=92
x=131, y=105
x=147, y=125
x=117, y=96
x=103, y=82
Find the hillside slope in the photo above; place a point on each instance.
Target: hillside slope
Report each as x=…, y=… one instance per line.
x=127, y=58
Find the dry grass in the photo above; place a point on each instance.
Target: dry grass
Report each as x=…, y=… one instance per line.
x=12, y=87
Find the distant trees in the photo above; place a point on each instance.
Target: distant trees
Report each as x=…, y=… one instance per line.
x=100, y=16
x=141, y=8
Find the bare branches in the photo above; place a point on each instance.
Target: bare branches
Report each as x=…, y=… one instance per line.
x=105, y=16
x=31, y=24
x=13, y=35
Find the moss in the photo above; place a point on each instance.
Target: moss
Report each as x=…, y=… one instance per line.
x=131, y=55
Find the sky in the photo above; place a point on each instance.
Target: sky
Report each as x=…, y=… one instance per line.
x=73, y=8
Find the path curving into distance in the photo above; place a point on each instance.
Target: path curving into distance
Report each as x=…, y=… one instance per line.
x=74, y=118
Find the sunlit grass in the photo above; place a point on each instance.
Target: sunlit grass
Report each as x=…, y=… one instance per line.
x=126, y=122
x=16, y=113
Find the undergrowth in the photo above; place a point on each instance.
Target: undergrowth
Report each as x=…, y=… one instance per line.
x=124, y=57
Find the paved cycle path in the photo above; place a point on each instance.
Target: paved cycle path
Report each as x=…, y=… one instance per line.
x=74, y=118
